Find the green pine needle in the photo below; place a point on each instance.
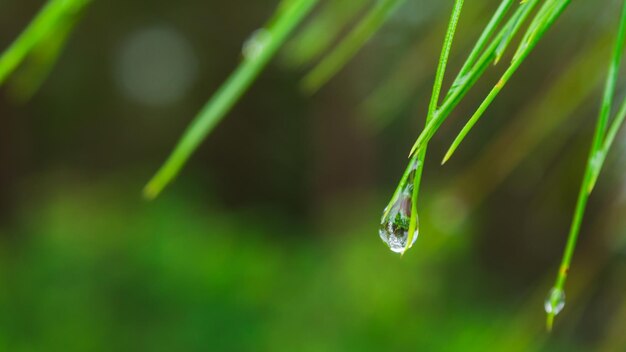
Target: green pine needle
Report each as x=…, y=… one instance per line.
x=287, y=17
x=55, y=14
x=548, y=18
x=434, y=100
x=466, y=82
x=600, y=146
x=349, y=46
x=318, y=34
x=483, y=40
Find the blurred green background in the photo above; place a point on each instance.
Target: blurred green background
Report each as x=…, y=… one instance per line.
x=268, y=241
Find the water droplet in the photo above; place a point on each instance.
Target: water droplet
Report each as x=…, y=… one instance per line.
x=395, y=223
x=394, y=226
x=255, y=44
x=555, y=301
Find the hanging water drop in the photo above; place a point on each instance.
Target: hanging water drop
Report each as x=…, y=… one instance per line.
x=394, y=225
x=555, y=301
x=255, y=44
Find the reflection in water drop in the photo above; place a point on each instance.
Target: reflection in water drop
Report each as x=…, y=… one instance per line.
x=255, y=44
x=555, y=301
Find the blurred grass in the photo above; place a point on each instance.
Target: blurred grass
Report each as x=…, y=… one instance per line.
x=50, y=23
x=93, y=268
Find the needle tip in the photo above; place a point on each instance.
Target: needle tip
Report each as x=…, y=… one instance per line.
x=549, y=321
x=150, y=192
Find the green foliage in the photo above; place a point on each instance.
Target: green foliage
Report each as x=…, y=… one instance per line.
x=350, y=45
x=51, y=24
x=533, y=34
x=401, y=222
x=600, y=146
x=38, y=47
x=432, y=108
x=266, y=43
x=93, y=268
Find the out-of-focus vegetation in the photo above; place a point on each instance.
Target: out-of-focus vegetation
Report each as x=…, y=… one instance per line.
x=88, y=266
x=269, y=239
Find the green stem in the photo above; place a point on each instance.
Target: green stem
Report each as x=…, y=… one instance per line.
x=287, y=18
x=459, y=91
x=599, y=146
x=434, y=100
x=549, y=20
x=443, y=58
x=349, y=46
x=464, y=81
x=487, y=33
x=541, y=16
x=54, y=13
x=318, y=35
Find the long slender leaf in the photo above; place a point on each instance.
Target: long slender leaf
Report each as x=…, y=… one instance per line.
x=480, y=45
x=53, y=14
x=599, y=147
x=472, y=76
x=318, y=34
x=349, y=46
x=266, y=43
x=515, y=64
x=434, y=100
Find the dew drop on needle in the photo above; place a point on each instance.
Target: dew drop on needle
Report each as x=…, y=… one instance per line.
x=394, y=225
x=555, y=301
x=254, y=46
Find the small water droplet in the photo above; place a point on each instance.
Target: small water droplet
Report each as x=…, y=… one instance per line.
x=555, y=301
x=394, y=226
x=255, y=44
